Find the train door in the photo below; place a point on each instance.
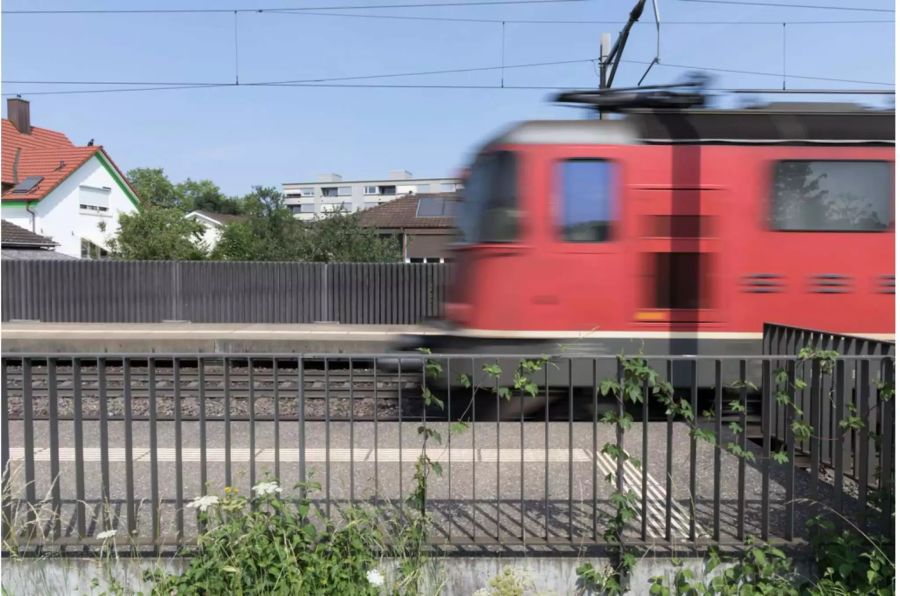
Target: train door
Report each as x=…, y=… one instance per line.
x=676, y=254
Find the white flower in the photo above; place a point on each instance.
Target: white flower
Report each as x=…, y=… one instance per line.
x=266, y=488
x=106, y=534
x=204, y=502
x=375, y=578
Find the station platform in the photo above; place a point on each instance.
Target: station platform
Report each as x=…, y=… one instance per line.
x=184, y=337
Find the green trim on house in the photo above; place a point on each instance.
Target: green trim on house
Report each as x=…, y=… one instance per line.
x=118, y=178
x=16, y=203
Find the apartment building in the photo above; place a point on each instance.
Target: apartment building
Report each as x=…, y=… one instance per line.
x=332, y=193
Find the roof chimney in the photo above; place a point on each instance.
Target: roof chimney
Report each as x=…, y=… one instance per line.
x=19, y=113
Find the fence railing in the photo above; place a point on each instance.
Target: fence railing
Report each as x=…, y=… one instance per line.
x=124, y=442
x=222, y=292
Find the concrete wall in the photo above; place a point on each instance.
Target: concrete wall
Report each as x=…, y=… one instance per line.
x=449, y=576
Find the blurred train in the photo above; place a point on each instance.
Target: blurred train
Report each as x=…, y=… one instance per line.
x=675, y=229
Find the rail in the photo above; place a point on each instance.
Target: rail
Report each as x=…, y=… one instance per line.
x=102, y=442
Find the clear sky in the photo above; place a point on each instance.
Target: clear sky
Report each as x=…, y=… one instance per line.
x=263, y=135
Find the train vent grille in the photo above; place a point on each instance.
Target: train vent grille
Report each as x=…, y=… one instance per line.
x=830, y=283
x=885, y=284
x=764, y=283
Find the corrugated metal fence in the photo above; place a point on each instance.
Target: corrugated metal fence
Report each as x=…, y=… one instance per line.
x=222, y=292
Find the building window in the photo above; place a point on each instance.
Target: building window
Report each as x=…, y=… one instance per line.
x=303, y=208
x=345, y=207
x=344, y=191
x=93, y=200
x=387, y=190
x=423, y=188
x=832, y=196
x=586, y=194
x=448, y=187
x=370, y=190
x=329, y=191
x=89, y=250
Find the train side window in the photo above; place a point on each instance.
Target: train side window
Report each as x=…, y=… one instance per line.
x=831, y=196
x=586, y=211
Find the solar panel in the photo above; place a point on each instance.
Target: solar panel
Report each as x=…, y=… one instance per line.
x=27, y=185
x=430, y=207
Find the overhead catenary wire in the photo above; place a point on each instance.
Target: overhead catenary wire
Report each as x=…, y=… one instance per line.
x=789, y=5
x=282, y=8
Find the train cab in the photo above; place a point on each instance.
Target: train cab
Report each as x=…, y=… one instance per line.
x=678, y=231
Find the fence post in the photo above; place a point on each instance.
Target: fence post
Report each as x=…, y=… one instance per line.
x=326, y=294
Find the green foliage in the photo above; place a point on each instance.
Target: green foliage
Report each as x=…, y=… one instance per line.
x=507, y=583
x=850, y=562
x=155, y=189
x=266, y=545
x=155, y=234
x=269, y=232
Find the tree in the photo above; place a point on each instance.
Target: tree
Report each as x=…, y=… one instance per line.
x=154, y=188
x=157, y=234
x=269, y=232
x=206, y=196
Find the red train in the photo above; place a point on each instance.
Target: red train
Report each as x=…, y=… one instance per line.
x=677, y=230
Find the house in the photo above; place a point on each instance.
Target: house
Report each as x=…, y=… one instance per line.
x=18, y=244
x=426, y=224
x=213, y=224
x=330, y=193
x=70, y=194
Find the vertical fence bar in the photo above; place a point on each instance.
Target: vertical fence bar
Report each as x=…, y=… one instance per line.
x=6, y=492
x=129, y=455
x=179, y=460
x=789, y=483
x=571, y=449
x=400, y=429
x=594, y=416
x=78, y=432
x=352, y=459
x=104, y=442
x=864, y=394
x=692, y=530
x=838, y=460
x=546, y=452
x=474, y=524
x=449, y=452
x=53, y=415
x=742, y=462
x=669, y=448
x=375, y=422
x=226, y=379
x=497, y=440
x=886, y=466
x=154, y=455
x=620, y=434
x=201, y=411
x=766, y=432
x=815, y=396
x=301, y=427
x=276, y=407
x=251, y=410
x=521, y=462
x=717, y=457
x=327, y=442
x=645, y=456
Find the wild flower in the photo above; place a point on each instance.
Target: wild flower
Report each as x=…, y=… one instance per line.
x=106, y=534
x=266, y=488
x=375, y=578
x=204, y=502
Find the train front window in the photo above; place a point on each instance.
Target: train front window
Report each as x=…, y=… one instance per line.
x=491, y=209
x=832, y=196
x=586, y=209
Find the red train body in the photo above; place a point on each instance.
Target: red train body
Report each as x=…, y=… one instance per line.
x=695, y=224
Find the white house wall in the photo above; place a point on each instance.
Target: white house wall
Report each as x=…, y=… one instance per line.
x=59, y=217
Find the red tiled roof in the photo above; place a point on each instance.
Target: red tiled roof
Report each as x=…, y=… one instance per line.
x=401, y=213
x=44, y=153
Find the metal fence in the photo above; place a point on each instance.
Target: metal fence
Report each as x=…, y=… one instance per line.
x=222, y=292
x=98, y=442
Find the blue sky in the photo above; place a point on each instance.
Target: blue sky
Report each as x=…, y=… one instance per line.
x=245, y=136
